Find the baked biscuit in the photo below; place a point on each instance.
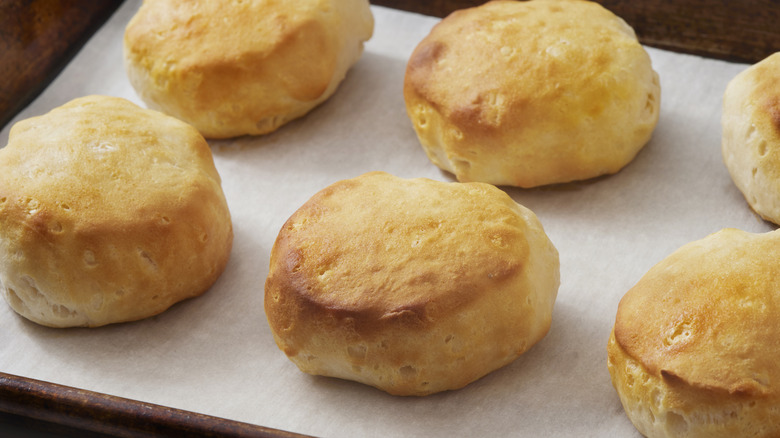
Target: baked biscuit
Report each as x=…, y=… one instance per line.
x=108, y=213
x=240, y=67
x=531, y=93
x=694, y=348
x=411, y=286
x=751, y=135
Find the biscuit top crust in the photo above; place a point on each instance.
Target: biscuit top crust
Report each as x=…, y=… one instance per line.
x=220, y=30
x=185, y=39
x=380, y=247
x=708, y=315
x=102, y=161
x=509, y=60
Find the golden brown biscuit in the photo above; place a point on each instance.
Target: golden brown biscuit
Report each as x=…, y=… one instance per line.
x=531, y=93
x=108, y=213
x=412, y=286
x=751, y=135
x=694, y=348
x=240, y=67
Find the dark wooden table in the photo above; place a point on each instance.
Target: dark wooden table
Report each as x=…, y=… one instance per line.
x=742, y=31
x=39, y=37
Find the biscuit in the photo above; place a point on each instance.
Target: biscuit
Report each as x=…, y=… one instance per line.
x=694, y=348
x=751, y=135
x=108, y=213
x=412, y=286
x=531, y=93
x=242, y=67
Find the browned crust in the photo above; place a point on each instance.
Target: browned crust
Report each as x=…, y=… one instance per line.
x=306, y=246
x=125, y=215
x=412, y=286
x=705, y=316
x=772, y=107
x=243, y=67
x=531, y=93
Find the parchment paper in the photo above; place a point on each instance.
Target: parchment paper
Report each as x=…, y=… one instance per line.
x=215, y=354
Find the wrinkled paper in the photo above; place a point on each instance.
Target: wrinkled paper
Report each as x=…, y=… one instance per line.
x=215, y=354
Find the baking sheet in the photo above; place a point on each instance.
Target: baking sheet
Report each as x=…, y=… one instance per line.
x=215, y=354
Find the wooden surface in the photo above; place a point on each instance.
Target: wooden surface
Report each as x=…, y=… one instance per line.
x=743, y=31
x=39, y=37
x=734, y=30
x=76, y=412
